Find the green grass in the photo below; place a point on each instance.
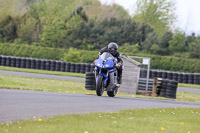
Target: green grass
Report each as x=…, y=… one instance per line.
x=69, y=74
x=51, y=85
x=37, y=84
x=189, y=85
x=173, y=120
x=42, y=72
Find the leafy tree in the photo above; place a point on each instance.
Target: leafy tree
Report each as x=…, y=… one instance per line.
x=177, y=44
x=157, y=13
x=194, y=48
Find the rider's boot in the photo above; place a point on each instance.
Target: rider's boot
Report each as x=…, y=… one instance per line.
x=120, y=79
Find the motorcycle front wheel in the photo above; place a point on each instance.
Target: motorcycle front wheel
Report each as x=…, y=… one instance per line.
x=99, y=85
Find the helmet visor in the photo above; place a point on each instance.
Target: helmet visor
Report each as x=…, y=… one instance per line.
x=112, y=50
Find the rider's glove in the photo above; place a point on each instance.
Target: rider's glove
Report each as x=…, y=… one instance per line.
x=118, y=65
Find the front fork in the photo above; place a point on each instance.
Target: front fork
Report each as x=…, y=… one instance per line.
x=105, y=76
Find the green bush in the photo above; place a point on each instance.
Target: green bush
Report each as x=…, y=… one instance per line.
x=171, y=63
x=31, y=51
x=80, y=56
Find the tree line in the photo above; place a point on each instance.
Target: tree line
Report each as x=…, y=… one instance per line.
x=88, y=25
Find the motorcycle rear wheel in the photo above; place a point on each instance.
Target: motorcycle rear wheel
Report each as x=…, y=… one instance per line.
x=99, y=85
x=112, y=93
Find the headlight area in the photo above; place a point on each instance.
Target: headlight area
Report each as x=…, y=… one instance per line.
x=107, y=65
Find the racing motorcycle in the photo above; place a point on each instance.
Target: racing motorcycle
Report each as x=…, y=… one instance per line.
x=106, y=75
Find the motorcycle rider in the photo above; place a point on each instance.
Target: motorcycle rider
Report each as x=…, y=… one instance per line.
x=112, y=48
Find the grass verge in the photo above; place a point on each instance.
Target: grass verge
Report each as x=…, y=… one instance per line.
x=51, y=85
x=173, y=120
x=189, y=85
x=69, y=74
x=42, y=72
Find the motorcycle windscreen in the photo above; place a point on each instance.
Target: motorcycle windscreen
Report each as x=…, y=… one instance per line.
x=106, y=56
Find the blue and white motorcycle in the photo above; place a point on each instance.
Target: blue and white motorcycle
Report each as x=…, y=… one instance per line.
x=106, y=75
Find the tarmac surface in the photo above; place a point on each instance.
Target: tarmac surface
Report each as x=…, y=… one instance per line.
x=22, y=104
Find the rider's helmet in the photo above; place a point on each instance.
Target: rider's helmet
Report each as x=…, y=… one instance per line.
x=112, y=47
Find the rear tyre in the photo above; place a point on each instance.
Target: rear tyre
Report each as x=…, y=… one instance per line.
x=99, y=86
x=112, y=93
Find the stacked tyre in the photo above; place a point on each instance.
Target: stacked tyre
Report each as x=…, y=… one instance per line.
x=62, y=66
x=143, y=73
x=87, y=67
x=8, y=61
x=72, y=67
x=169, y=75
x=77, y=68
x=67, y=67
x=163, y=88
x=18, y=62
x=185, y=78
x=92, y=67
x=12, y=61
x=190, y=78
x=23, y=63
x=82, y=68
x=169, y=88
x=90, y=81
x=196, y=79
x=180, y=77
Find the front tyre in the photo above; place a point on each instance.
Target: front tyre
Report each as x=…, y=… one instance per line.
x=99, y=85
x=112, y=93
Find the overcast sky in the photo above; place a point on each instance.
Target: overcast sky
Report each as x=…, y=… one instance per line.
x=187, y=11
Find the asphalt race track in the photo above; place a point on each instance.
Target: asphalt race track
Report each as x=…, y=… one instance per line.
x=20, y=104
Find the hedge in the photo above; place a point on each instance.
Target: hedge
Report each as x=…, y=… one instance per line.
x=82, y=56
x=31, y=51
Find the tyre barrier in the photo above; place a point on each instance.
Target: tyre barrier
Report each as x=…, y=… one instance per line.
x=169, y=75
x=42, y=65
x=53, y=65
x=67, y=67
x=143, y=73
x=196, y=79
x=33, y=63
x=190, y=78
x=92, y=67
x=180, y=77
x=28, y=63
x=90, y=81
x=77, y=68
x=168, y=88
x=23, y=63
x=83, y=68
x=164, y=75
x=13, y=62
x=47, y=65
x=18, y=62
x=185, y=78
x=8, y=61
x=159, y=74
x=171, y=89
x=72, y=67
x=174, y=76
x=62, y=66
x=58, y=66
x=3, y=61
x=87, y=67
